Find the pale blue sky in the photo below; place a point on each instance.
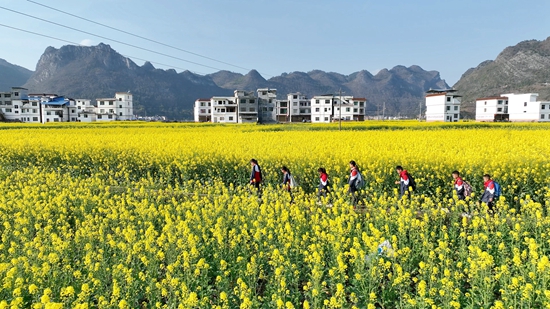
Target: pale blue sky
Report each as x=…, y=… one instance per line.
x=283, y=36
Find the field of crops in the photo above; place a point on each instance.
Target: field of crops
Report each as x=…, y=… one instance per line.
x=130, y=215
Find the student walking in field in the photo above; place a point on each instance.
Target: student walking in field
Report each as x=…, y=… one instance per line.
x=323, y=182
x=488, y=196
x=458, y=185
x=256, y=176
x=355, y=183
x=405, y=181
x=287, y=182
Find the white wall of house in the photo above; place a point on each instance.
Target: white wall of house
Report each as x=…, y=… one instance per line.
x=224, y=110
x=443, y=106
x=322, y=109
x=124, y=106
x=526, y=107
x=247, y=104
x=201, y=110
x=488, y=109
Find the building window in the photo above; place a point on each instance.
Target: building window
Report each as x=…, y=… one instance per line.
x=16, y=94
x=243, y=109
x=456, y=108
x=448, y=108
x=120, y=99
x=484, y=110
x=252, y=109
x=326, y=118
x=325, y=109
x=295, y=111
x=48, y=113
x=541, y=116
x=120, y=114
x=543, y=106
x=101, y=103
x=499, y=109
x=295, y=104
x=500, y=102
x=16, y=106
x=120, y=106
x=295, y=96
x=316, y=118
x=34, y=118
x=456, y=116
x=222, y=118
x=524, y=103
x=98, y=116
x=111, y=102
x=74, y=111
x=327, y=101
x=316, y=101
x=85, y=115
x=355, y=110
x=34, y=104
x=284, y=111
x=317, y=109
x=102, y=111
x=80, y=107
x=230, y=118
x=110, y=116
x=253, y=101
x=347, y=109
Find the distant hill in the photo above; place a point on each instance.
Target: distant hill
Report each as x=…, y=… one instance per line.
x=12, y=75
x=524, y=67
x=99, y=71
x=401, y=88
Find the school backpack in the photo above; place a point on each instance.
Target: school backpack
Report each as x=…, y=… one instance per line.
x=467, y=189
x=293, y=182
x=498, y=190
x=412, y=182
x=360, y=181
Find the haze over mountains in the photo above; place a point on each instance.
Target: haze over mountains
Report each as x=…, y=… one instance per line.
x=99, y=71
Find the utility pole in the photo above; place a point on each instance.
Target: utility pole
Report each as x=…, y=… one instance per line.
x=340, y=118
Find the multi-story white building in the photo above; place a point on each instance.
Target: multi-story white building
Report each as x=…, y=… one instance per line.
x=298, y=108
x=526, y=107
x=202, y=110
x=322, y=108
x=443, y=105
x=12, y=102
x=224, y=109
x=267, y=105
x=247, y=106
x=492, y=109
x=18, y=105
x=327, y=108
x=118, y=108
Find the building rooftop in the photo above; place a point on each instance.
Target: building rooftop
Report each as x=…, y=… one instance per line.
x=493, y=98
x=441, y=90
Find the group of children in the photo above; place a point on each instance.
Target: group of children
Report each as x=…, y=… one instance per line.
x=356, y=182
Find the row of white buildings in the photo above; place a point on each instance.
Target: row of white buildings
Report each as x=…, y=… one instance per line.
x=19, y=105
x=263, y=106
x=444, y=105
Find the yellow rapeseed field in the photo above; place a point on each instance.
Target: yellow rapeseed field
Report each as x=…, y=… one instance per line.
x=148, y=215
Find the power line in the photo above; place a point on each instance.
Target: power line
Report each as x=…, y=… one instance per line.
x=113, y=40
x=136, y=35
x=74, y=43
